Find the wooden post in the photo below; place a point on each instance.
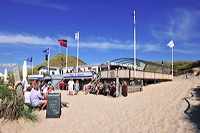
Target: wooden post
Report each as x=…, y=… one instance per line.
x=117, y=87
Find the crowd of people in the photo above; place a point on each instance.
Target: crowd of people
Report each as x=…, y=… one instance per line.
x=92, y=87
x=36, y=94
x=100, y=88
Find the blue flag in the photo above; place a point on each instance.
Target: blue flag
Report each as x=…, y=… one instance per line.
x=46, y=51
x=30, y=59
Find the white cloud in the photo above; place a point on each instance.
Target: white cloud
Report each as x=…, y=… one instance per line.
x=151, y=48
x=192, y=45
x=30, y=39
x=42, y=3
x=7, y=64
x=181, y=25
x=26, y=39
x=187, y=51
x=105, y=45
x=94, y=43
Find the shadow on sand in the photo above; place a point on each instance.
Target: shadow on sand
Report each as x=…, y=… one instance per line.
x=194, y=111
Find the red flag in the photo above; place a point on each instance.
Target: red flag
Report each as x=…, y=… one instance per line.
x=63, y=43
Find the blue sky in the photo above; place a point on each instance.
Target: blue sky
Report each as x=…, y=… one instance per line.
x=27, y=27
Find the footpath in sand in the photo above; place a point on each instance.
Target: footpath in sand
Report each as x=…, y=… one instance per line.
x=159, y=108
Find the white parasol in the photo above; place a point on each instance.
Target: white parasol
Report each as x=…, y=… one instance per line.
x=24, y=81
x=5, y=76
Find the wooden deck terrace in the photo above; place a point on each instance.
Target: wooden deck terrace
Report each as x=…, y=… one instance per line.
x=130, y=74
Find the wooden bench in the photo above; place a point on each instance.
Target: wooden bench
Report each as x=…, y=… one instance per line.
x=135, y=88
x=33, y=108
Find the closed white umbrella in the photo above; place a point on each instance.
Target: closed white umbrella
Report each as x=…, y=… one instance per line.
x=1, y=75
x=5, y=76
x=25, y=74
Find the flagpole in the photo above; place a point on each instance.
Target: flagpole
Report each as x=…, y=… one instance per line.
x=59, y=48
x=134, y=42
x=171, y=45
x=172, y=62
x=48, y=61
x=32, y=65
x=77, y=51
x=66, y=57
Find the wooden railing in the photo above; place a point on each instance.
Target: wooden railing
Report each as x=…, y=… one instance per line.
x=130, y=74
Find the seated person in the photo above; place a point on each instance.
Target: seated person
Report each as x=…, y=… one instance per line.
x=37, y=99
x=101, y=88
x=92, y=87
x=97, y=88
x=27, y=95
x=114, y=85
x=44, y=88
x=132, y=83
x=113, y=88
x=89, y=86
x=50, y=89
x=106, y=89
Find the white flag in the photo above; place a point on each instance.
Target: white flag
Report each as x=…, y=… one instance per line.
x=77, y=36
x=171, y=44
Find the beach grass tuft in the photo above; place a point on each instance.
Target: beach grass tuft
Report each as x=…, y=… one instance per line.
x=12, y=106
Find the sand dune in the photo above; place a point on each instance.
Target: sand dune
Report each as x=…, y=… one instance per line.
x=158, y=108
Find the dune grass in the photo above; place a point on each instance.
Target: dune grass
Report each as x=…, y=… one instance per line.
x=12, y=106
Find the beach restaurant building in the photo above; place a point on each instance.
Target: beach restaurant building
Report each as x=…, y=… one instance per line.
x=121, y=69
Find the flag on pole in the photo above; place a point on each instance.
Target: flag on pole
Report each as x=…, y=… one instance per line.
x=30, y=59
x=63, y=43
x=46, y=51
x=133, y=13
x=171, y=44
x=46, y=57
x=77, y=36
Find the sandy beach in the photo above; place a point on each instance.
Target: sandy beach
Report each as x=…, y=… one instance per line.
x=159, y=108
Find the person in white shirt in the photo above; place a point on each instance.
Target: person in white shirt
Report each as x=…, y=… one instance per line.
x=27, y=95
x=44, y=89
x=70, y=86
x=51, y=89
